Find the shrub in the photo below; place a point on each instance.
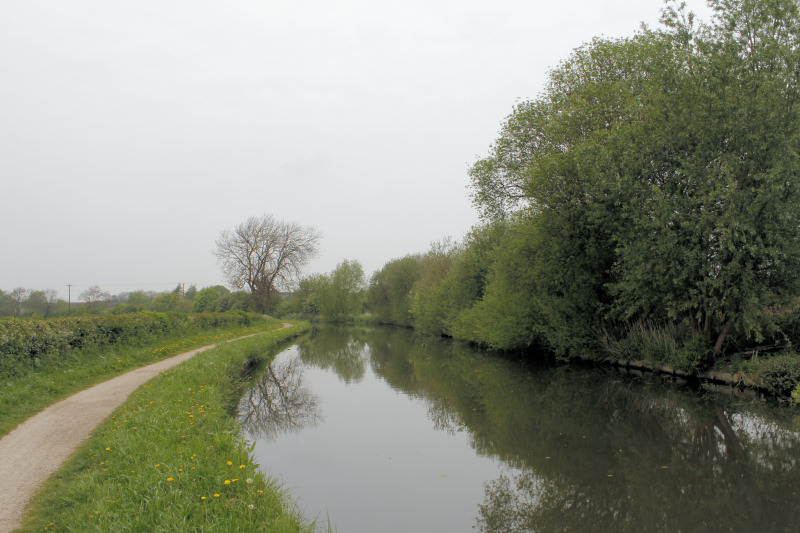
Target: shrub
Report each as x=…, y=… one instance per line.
x=26, y=343
x=779, y=374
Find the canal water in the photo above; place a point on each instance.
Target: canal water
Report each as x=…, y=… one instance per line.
x=376, y=430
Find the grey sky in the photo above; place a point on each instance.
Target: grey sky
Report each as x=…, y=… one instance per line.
x=133, y=132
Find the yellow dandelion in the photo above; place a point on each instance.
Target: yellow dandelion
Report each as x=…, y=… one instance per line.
x=202, y=497
x=230, y=463
x=216, y=495
x=170, y=479
x=227, y=481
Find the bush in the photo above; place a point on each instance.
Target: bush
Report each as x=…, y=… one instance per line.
x=26, y=343
x=692, y=355
x=779, y=375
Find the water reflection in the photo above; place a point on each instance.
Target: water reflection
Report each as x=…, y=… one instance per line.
x=279, y=402
x=338, y=350
x=583, y=449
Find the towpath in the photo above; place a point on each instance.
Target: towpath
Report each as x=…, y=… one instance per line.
x=40, y=445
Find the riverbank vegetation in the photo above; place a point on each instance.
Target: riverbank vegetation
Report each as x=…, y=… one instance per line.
x=171, y=458
x=645, y=205
x=43, y=361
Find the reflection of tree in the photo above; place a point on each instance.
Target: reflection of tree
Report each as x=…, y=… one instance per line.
x=279, y=402
x=337, y=349
x=587, y=449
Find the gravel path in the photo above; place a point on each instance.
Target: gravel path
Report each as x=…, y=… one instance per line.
x=40, y=445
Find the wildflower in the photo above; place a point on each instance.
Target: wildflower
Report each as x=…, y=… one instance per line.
x=202, y=497
x=249, y=480
x=170, y=479
x=251, y=506
x=227, y=481
x=230, y=463
x=242, y=466
x=216, y=495
x=107, y=449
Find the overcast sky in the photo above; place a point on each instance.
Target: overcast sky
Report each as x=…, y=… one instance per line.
x=133, y=132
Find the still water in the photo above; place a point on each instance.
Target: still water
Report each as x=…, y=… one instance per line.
x=376, y=430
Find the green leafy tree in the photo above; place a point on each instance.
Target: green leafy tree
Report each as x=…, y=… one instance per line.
x=389, y=290
x=342, y=292
x=204, y=300
x=712, y=224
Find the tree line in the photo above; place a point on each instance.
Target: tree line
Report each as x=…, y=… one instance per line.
x=23, y=303
x=647, y=200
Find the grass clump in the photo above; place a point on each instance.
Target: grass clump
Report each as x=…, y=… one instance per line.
x=25, y=395
x=171, y=459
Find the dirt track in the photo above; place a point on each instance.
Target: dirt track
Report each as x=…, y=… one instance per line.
x=40, y=445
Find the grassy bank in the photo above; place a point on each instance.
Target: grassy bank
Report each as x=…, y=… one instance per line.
x=171, y=459
x=24, y=395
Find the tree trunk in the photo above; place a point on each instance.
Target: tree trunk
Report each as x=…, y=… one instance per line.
x=722, y=336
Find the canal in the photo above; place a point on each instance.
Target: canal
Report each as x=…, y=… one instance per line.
x=375, y=429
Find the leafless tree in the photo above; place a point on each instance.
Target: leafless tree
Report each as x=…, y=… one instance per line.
x=94, y=296
x=19, y=295
x=279, y=403
x=263, y=255
x=51, y=297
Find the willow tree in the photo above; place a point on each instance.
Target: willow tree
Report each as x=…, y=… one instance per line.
x=263, y=255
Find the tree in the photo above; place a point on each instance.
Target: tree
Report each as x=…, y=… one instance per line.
x=712, y=230
x=36, y=303
x=94, y=296
x=263, y=254
x=18, y=296
x=51, y=297
x=342, y=291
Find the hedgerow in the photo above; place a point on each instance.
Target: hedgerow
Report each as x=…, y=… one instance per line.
x=29, y=343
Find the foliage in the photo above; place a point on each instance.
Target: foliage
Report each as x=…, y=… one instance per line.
x=335, y=296
x=778, y=374
x=654, y=181
x=388, y=296
x=30, y=343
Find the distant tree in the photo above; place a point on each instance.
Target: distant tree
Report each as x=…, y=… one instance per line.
x=204, y=301
x=18, y=296
x=51, y=298
x=342, y=292
x=167, y=302
x=263, y=254
x=6, y=304
x=138, y=298
x=36, y=303
x=95, y=296
x=191, y=292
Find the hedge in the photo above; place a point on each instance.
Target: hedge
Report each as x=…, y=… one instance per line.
x=27, y=343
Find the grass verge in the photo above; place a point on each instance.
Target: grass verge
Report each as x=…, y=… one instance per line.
x=171, y=459
x=21, y=397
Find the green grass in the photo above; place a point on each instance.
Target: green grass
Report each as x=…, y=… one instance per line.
x=24, y=396
x=171, y=459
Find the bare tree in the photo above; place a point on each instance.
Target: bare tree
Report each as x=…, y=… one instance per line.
x=94, y=296
x=19, y=295
x=263, y=255
x=51, y=297
x=279, y=403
